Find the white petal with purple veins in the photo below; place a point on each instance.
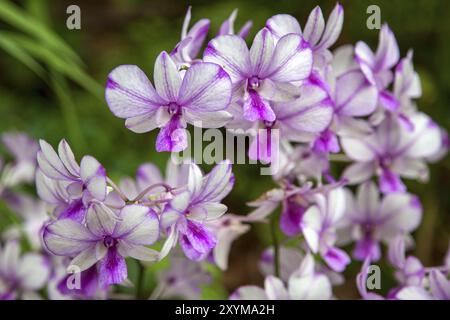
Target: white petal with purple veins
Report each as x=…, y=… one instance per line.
x=333, y=28
x=231, y=53
x=314, y=26
x=207, y=211
x=206, y=87
x=129, y=93
x=354, y=95
x=50, y=163
x=358, y=149
x=87, y=258
x=68, y=159
x=215, y=119
x=218, y=183
x=312, y=112
x=139, y=225
x=94, y=177
x=100, y=220
x=167, y=78
x=137, y=251
x=144, y=123
x=261, y=51
x=283, y=24
x=291, y=61
x=388, y=53
x=67, y=237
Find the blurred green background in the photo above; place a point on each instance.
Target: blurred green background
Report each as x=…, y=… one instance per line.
x=52, y=79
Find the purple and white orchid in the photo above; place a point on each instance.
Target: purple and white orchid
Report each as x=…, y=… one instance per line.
x=198, y=98
x=371, y=220
x=377, y=66
x=320, y=35
x=22, y=169
x=393, y=151
x=319, y=226
x=185, y=217
x=304, y=284
x=264, y=73
x=21, y=275
x=305, y=106
x=79, y=183
x=105, y=240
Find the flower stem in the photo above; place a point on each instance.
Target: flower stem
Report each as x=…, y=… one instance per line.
x=276, y=248
x=149, y=188
x=140, y=281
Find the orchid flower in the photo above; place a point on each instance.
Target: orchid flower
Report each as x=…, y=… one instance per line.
x=320, y=35
x=33, y=216
x=200, y=98
x=22, y=169
x=182, y=280
x=106, y=239
x=263, y=73
x=393, y=151
x=304, y=284
x=377, y=66
x=353, y=96
x=371, y=220
x=79, y=183
x=407, y=87
x=319, y=224
x=21, y=275
x=185, y=216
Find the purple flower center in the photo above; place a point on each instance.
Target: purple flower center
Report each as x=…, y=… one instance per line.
x=254, y=82
x=173, y=108
x=109, y=241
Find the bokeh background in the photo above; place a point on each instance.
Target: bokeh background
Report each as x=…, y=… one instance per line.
x=52, y=80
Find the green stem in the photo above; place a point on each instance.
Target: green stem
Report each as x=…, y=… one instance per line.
x=276, y=247
x=140, y=282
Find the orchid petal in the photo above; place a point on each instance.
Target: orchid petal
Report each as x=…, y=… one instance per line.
x=129, y=93
x=167, y=77
x=206, y=87
x=231, y=53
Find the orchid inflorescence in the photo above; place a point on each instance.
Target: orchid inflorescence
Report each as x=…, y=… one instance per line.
x=349, y=104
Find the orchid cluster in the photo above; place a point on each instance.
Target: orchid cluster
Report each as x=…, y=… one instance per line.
x=348, y=104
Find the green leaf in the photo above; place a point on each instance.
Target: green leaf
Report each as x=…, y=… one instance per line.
x=56, y=62
x=25, y=22
x=20, y=54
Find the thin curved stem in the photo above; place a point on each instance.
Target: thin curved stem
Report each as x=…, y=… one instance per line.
x=117, y=189
x=150, y=188
x=154, y=202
